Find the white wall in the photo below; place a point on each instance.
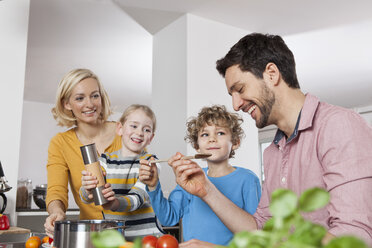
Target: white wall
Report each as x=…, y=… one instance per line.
x=38, y=127
x=208, y=41
x=13, y=43
x=169, y=95
x=185, y=80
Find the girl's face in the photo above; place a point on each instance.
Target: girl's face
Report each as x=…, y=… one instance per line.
x=137, y=133
x=85, y=101
x=217, y=141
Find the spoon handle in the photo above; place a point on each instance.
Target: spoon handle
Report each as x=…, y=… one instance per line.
x=197, y=156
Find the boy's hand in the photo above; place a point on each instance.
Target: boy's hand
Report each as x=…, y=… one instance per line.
x=109, y=195
x=148, y=173
x=89, y=182
x=189, y=175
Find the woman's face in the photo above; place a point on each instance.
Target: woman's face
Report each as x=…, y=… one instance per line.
x=85, y=101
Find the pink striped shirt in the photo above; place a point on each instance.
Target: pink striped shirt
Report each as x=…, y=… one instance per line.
x=332, y=149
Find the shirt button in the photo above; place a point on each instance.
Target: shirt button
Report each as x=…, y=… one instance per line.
x=283, y=179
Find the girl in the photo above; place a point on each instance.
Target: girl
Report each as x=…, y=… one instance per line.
x=127, y=196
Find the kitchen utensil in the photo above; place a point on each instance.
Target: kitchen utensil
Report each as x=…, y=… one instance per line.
x=4, y=187
x=90, y=157
x=39, y=196
x=76, y=234
x=196, y=156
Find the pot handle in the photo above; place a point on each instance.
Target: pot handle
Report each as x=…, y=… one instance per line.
x=114, y=227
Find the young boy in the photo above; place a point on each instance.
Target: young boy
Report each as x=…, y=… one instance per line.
x=127, y=197
x=217, y=132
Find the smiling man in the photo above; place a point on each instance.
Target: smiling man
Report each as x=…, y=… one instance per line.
x=316, y=144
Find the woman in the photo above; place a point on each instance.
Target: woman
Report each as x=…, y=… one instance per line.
x=83, y=104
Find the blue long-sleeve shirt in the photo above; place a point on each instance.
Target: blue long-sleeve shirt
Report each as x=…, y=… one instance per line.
x=241, y=186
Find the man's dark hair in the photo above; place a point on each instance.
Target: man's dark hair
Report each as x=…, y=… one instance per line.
x=254, y=51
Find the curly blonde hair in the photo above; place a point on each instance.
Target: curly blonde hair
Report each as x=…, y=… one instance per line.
x=215, y=115
x=65, y=117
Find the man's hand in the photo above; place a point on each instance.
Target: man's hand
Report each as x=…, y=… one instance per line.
x=148, y=173
x=189, y=175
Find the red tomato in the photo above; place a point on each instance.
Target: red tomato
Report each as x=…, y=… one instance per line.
x=167, y=241
x=149, y=241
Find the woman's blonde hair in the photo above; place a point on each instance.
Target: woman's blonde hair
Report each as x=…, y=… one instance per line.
x=65, y=117
x=148, y=111
x=215, y=115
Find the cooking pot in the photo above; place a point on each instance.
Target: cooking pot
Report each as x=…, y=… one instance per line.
x=76, y=234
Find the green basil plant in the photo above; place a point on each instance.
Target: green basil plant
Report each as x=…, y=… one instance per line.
x=288, y=229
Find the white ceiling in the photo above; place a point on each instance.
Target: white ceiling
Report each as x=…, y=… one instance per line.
x=330, y=40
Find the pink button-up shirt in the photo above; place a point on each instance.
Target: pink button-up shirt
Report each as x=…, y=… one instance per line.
x=332, y=149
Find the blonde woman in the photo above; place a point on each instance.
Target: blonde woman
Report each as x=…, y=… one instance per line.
x=82, y=105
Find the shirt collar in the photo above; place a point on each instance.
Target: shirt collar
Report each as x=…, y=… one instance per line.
x=304, y=120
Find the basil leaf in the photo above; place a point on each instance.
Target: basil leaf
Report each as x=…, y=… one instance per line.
x=313, y=199
x=283, y=203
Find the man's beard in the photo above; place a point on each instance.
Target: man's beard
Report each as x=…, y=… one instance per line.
x=268, y=100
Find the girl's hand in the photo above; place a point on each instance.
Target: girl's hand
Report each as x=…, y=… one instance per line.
x=109, y=195
x=89, y=182
x=148, y=173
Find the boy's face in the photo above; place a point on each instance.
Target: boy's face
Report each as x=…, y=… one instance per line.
x=217, y=141
x=136, y=133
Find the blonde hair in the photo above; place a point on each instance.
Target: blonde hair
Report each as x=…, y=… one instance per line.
x=65, y=117
x=148, y=111
x=215, y=115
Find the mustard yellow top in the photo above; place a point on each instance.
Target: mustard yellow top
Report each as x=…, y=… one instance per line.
x=65, y=164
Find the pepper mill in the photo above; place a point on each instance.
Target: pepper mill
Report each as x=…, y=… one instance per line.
x=90, y=158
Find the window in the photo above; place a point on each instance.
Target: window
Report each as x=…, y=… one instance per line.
x=265, y=137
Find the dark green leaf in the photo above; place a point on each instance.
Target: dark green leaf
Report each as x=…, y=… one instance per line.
x=313, y=199
x=269, y=225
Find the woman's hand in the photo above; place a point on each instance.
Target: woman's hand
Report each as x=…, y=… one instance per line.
x=89, y=182
x=148, y=173
x=56, y=213
x=195, y=243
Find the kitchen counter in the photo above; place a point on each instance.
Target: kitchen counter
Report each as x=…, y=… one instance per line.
x=13, y=235
x=13, y=245
x=42, y=212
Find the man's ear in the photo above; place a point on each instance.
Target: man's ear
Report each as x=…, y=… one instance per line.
x=119, y=129
x=272, y=74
